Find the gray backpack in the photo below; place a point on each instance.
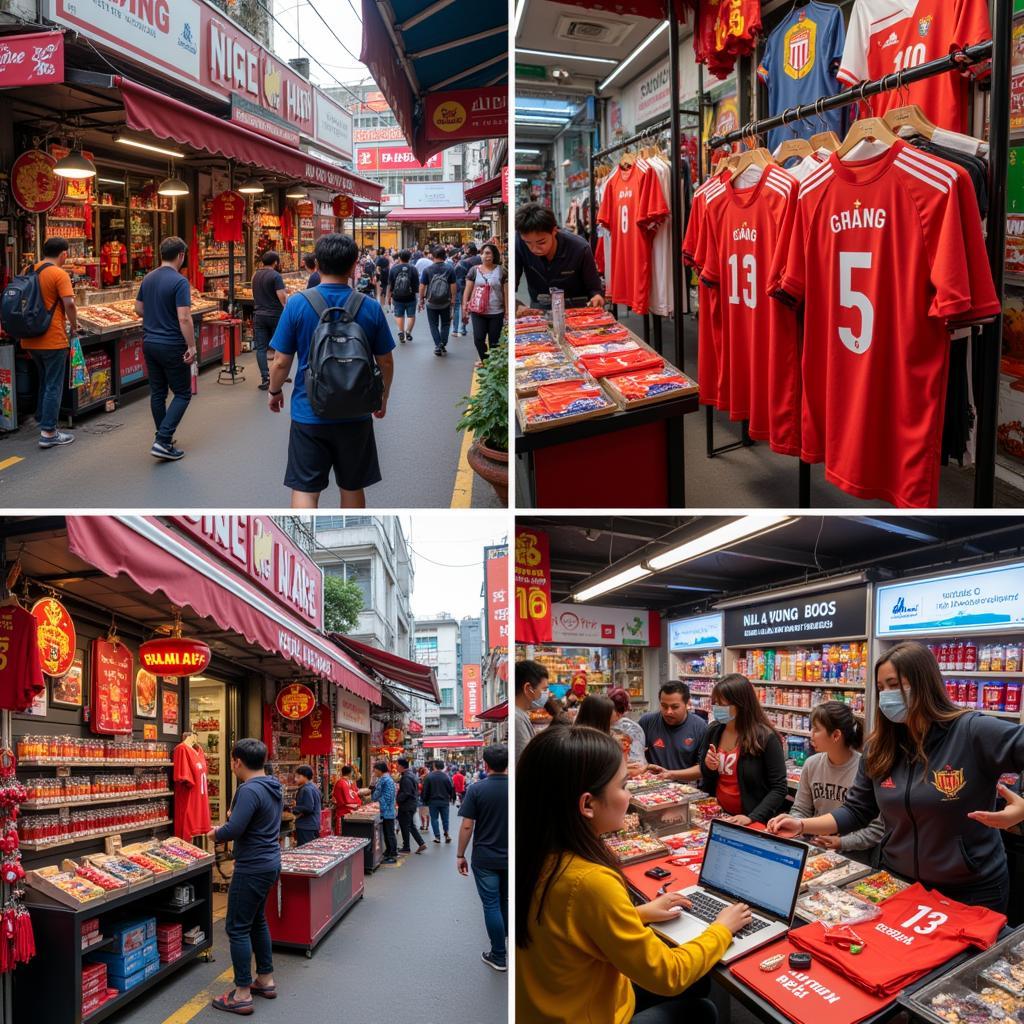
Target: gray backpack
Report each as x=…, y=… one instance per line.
x=439, y=292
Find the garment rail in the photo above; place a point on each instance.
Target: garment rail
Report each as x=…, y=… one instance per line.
x=998, y=48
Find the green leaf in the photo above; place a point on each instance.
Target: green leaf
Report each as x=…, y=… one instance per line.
x=486, y=412
x=343, y=601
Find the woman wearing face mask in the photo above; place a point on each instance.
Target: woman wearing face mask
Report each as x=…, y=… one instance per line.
x=574, y=917
x=531, y=694
x=932, y=770
x=742, y=762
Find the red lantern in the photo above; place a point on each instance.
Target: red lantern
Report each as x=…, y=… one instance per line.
x=295, y=702
x=174, y=656
x=393, y=736
x=343, y=207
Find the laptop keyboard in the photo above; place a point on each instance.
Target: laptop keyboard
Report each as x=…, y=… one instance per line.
x=707, y=908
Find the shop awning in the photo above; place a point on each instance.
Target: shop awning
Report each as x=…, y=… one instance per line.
x=496, y=713
x=421, y=678
x=633, y=8
x=452, y=742
x=438, y=213
x=149, y=111
x=485, y=190
x=414, y=727
x=157, y=558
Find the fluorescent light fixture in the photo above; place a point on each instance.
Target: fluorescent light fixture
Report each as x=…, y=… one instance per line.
x=739, y=529
x=520, y=11
x=551, y=111
x=620, y=579
x=520, y=181
x=633, y=56
x=568, y=56
x=538, y=121
x=150, y=148
x=113, y=181
x=528, y=152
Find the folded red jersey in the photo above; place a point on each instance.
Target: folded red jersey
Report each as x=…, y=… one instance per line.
x=917, y=932
x=565, y=398
x=622, y=362
x=531, y=348
x=596, y=336
x=588, y=319
x=636, y=386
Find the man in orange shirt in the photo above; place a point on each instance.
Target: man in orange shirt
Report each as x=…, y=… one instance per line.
x=50, y=350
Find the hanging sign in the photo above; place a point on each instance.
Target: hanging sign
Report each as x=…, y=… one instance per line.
x=295, y=702
x=33, y=59
x=393, y=737
x=466, y=114
x=342, y=207
x=145, y=693
x=175, y=656
x=34, y=186
x=695, y=634
x=353, y=712
x=112, y=671
x=823, y=615
x=496, y=577
x=316, y=735
x=55, y=636
x=472, y=695
x=604, y=627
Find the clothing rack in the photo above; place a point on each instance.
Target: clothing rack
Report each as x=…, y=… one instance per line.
x=998, y=48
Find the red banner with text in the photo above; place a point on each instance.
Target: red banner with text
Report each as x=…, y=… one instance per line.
x=533, y=586
x=34, y=59
x=471, y=695
x=496, y=577
x=466, y=114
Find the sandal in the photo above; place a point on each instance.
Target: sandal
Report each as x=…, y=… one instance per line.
x=269, y=992
x=229, y=1004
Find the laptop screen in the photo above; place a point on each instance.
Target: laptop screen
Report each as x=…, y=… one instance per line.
x=754, y=867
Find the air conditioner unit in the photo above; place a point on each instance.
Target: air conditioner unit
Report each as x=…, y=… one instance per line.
x=592, y=30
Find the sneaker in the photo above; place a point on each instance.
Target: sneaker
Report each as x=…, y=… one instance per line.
x=492, y=961
x=167, y=452
x=401, y=337
x=438, y=841
x=264, y=385
x=438, y=352
x=56, y=439
x=444, y=350
x=390, y=860
x=447, y=838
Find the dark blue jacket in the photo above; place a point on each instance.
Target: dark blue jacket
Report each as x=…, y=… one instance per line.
x=307, y=809
x=255, y=825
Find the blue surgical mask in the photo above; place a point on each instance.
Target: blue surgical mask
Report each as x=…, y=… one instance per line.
x=892, y=705
x=541, y=699
x=723, y=713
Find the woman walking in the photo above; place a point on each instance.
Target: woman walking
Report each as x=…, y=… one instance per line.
x=489, y=277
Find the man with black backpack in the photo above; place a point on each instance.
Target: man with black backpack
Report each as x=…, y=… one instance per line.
x=403, y=283
x=437, y=293
x=343, y=380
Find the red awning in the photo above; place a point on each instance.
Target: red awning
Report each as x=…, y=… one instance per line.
x=158, y=558
x=421, y=678
x=452, y=742
x=496, y=713
x=149, y=111
x=486, y=189
x=414, y=727
x=434, y=213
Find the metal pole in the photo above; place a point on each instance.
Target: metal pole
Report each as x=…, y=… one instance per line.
x=700, y=123
x=231, y=374
x=677, y=177
x=992, y=334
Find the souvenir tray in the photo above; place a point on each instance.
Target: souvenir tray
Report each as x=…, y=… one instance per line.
x=645, y=780
x=833, y=906
x=668, y=794
x=532, y=415
x=336, y=845
x=879, y=886
x=528, y=379
x=819, y=862
x=842, y=875
x=311, y=865
x=65, y=887
x=629, y=848
x=134, y=874
x=688, y=843
x=536, y=359
x=661, y=385
x=105, y=319
x=706, y=810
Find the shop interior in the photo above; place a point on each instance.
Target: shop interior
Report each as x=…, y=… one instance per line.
x=590, y=103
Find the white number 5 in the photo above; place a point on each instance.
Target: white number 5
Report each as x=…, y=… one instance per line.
x=850, y=299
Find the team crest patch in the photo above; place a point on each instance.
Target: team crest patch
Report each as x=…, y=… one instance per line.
x=688, y=742
x=949, y=781
x=798, y=47
x=888, y=784
x=924, y=25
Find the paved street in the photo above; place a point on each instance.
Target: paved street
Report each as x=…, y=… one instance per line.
x=409, y=951
x=236, y=449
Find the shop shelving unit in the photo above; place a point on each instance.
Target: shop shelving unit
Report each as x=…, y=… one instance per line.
x=695, y=655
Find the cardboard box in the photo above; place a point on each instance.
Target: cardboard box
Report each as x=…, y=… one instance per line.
x=123, y=964
x=131, y=935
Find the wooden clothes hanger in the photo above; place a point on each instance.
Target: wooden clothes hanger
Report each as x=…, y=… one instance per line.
x=826, y=139
x=755, y=156
x=864, y=129
x=909, y=115
x=795, y=146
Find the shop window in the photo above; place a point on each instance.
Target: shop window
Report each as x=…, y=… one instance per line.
x=325, y=523
x=360, y=571
x=448, y=697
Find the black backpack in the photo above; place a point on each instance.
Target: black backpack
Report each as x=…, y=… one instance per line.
x=402, y=288
x=343, y=379
x=439, y=293
x=22, y=310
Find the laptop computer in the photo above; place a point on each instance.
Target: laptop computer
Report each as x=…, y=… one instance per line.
x=742, y=865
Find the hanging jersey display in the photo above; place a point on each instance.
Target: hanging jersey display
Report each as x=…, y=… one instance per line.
x=799, y=64
x=887, y=36
x=21, y=673
x=191, y=792
x=227, y=212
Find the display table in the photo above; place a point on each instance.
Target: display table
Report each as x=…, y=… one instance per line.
x=368, y=827
x=306, y=903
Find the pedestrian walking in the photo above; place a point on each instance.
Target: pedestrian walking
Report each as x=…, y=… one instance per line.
x=421, y=260
x=255, y=829
x=486, y=300
x=469, y=260
x=437, y=294
x=459, y=784
x=346, y=796
x=309, y=262
x=268, y=299
x=383, y=266
x=408, y=794
x=424, y=811
x=403, y=284
x=168, y=344
x=484, y=814
x=384, y=795
x=308, y=804
x=49, y=350
x=438, y=795
x=319, y=443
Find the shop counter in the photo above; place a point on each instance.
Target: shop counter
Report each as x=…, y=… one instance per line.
x=368, y=827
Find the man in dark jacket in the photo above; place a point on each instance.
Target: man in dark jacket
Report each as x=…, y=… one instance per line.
x=408, y=794
x=255, y=829
x=438, y=794
x=308, y=804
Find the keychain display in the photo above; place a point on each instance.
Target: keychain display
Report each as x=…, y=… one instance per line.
x=17, y=942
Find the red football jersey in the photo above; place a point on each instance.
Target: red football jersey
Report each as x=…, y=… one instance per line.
x=917, y=932
x=877, y=256
x=887, y=36
x=738, y=25
x=21, y=672
x=759, y=337
x=191, y=792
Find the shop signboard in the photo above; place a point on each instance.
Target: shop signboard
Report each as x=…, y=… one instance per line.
x=112, y=674
x=393, y=736
x=131, y=363
x=34, y=186
x=333, y=126
x=55, y=635
x=393, y=133
x=822, y=615
x=175, y=656
x=464, y=114
x=33, y=59
x=387, y=158
x=255, y=118
x=695, y=634
x=422, y=195
x=471, y=695
x=590, y=625
x=647, y=97
x=533, y=586
x=259, y=549
x=496, y=581
x=295, y=701
x=352, y=712
x=988, y=599
x=317, y=736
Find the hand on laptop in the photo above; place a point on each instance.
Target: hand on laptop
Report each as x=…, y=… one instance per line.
x=663, y=908
x=735, y=917
x=786, y=826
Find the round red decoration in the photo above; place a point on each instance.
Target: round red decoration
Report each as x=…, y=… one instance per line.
x=55, y=636
x=33, y=184
x=174, y=656
x=295, y=702
x=393, y=736
x=343, y=207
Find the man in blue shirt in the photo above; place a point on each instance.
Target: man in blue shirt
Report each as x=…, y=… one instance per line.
x=317, y=445
x=308, y=803
x=168, y=344
x=384, y=795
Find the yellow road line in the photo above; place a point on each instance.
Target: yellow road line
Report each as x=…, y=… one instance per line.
x=199, y=1002
x=462, y=494
x=12, y=461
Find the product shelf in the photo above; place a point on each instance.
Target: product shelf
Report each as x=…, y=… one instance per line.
x=981, y=675
x=42, y=845
x=88, y=801
x=90, y=763
x=829, y=684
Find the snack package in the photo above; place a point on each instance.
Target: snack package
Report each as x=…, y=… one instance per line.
x=958, y=1006
x=834, y=906
x=636, y=387
x=605, y=348
x=1006, y=975
x=595, y=335
x=690, y=842
x=565, y=399
x=878, y=887
x=538, y=375
x=817, y=864
x=543, y=358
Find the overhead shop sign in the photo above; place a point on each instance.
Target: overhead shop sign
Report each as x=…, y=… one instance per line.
x=987, y=599
x=34, y=59
x=254, y=117
x=434, y=195
x=604, y=627
x=352, y=712
x=389, y=158
x=823, y=615
x=695, y=634
x=466, y=114
x=333, y=126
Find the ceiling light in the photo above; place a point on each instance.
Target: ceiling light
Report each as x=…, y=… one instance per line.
x=147, y=146
x=560, y=74
x=739, y=529
x=636, y=53
x=568, y=56
x=251, y=187
x=111, y=181
x=173, y=186
x=630, y=575
x=528, y=152
x=296, y=191
x=538, y=121
x=75, y=165
x=546, y=111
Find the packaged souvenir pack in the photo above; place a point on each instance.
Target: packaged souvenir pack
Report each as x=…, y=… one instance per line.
x=834, y=906
x=879, y=886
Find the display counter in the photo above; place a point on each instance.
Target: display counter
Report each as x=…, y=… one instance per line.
x=368, y=827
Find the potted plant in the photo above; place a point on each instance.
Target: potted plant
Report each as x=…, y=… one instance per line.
x=485, y=413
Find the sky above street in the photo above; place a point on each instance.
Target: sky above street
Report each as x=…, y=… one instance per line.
x=300, y=21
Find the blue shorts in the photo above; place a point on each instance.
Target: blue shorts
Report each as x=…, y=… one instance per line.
x=405, y=308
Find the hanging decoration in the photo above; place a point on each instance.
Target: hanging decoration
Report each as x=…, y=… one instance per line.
x=342, y=207
x=112, y=673
x=295, y=701
x=175, y=656
x=228, y=212
x=34, y=186
x=316, y=735
x=56, y=636
x=17, y=942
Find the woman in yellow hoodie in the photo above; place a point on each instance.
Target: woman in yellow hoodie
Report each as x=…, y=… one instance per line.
x=581, y=944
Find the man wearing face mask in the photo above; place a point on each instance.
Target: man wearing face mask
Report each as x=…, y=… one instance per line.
x=932, y=770
x=531, y=693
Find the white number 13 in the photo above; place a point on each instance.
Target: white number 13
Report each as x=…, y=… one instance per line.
x=750, y=288
x=850, y=299
x=935, y=918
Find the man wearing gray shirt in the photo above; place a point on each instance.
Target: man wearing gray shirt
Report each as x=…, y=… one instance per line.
x=531, y=692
